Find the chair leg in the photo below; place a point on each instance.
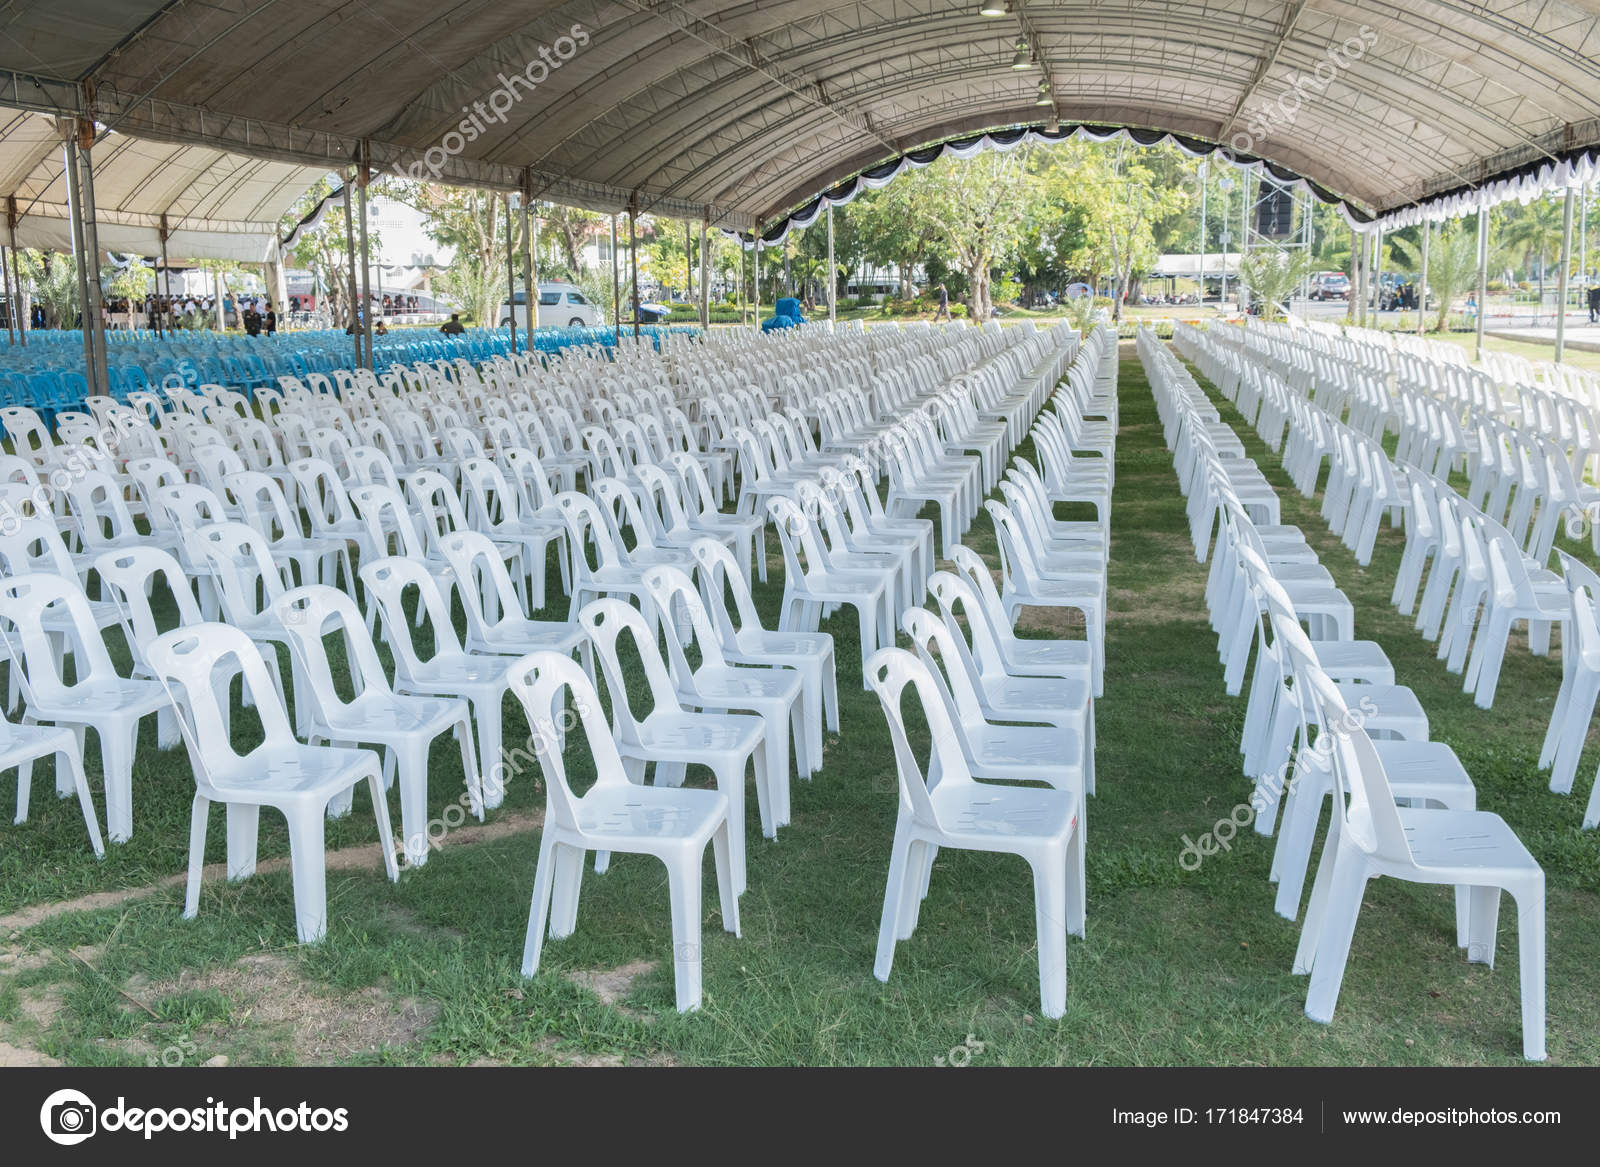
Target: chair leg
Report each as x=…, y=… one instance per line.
x=411, y=775
x=683, y=885
x=243, y=820
x=727, y=893
x=488, y=713
x=198, y=814
x=539, y=909
x=767, y=800
x=117, y=747
x=380, y=811
x=1482, y=924
x=80, y=783
x=1530, y=952
x=1338, y=929
x=568, y=883
x=893, y=894
x=1050, y=921
x=308, y=868
x=730, y=780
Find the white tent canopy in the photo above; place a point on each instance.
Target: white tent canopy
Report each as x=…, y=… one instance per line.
x=218, y=205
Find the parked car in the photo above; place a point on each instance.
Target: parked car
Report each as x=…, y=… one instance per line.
x=560, y=306
x=1330, y=285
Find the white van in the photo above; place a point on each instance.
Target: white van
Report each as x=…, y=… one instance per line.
x=560, y=306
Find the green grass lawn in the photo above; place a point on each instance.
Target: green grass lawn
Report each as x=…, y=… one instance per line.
x=1177, y=967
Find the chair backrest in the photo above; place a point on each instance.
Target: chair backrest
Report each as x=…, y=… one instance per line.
x=889, y=671
x=29, y=542
x=322, y=493
x=672, y=594
x=952, y=673
x=385, y=513
x=389, y=579
x=540, y=681
x=24, y=600
x=311, y=613
x=261, y=500
x=100, y=509
x=585, y=522
x=718, y=572
x=197, y=664
x=128, y=575
x=240, y=559
x=1361, y=787
x=474, y=564
x=605, y=621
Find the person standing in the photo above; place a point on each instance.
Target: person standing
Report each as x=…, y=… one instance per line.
x=1594, y=304
x=271, y=320
x=944, y=304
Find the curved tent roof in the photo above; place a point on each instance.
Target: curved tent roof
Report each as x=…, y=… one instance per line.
x=218, y=205
x=744, y=111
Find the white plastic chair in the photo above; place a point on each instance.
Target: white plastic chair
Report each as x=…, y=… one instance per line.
x=810, y=584
x=1370, y=837
x=405, y=726
x=746, y=642
x=20, y=745
x=672, y=824
x=197, y=665
x=772, y=692
x=451, y=671
x=671, y=737
x=941, y=805
x=98, y=696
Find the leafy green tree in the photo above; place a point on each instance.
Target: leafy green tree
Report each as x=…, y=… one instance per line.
x=1272, y=274
x=54, y=280
x=1534, y=233
x=1452, y=265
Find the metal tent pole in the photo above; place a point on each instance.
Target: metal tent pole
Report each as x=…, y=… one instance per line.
x=1422, y=290
x=688, y=260
x=1203, y=185
x=1377, y=276
x=364, y=174
x=833, y=274
x=705, y=274
x=350, y=250
x=633, y=258
x=1483, y=280
x=511, y=275
x=530, y=259
x=1561, y=275
x=100, y=382
x=166, y=273
x=616, y=289
x=75, y=209
x=16, y=267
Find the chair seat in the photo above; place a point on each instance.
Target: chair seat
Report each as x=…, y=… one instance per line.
x=1354, y=660
x=383, y=716
x=273, y=777
x=732, y=684
x=687, y=737
x=990, y=812
x=1424, y=770
x=646, y=818
x=1448, y=842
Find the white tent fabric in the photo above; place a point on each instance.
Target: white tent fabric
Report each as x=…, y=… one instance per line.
x=218, y=205
x=743, y=112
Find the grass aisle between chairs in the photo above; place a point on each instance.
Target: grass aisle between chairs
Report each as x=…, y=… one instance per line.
x=1177, y=967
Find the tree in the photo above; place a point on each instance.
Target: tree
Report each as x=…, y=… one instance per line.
x=473, y=223
x=1452, y=265
x=893, y=229
x=322, y=250
x=54, y=280
x=571, y=229
x=977, y=207
x=1534, y=232
x=1272, y=274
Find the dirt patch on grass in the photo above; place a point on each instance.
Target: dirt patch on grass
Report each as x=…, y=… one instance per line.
x=360, y=858
x=310, y=1025
x=15, y=1057
x=611, y=985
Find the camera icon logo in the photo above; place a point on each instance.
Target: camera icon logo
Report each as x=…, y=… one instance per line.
x=68, y=1117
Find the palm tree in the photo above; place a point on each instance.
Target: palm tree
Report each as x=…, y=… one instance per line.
x=1452, y=265
x=1272, y=276
x=1534, y=231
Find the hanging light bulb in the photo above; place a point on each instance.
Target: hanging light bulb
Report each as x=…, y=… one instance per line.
x=994, y=8
x=1023, y=59
x=1044, y=94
